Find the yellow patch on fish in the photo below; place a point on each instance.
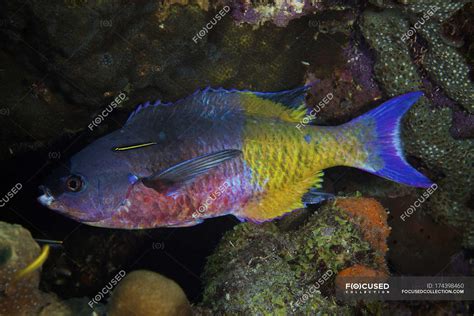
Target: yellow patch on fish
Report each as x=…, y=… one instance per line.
x=286, y=165
x=255, y=105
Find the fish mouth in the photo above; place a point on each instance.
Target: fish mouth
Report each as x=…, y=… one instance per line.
x=47, y=199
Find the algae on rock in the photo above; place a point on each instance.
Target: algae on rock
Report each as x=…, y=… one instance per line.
x=261, y=269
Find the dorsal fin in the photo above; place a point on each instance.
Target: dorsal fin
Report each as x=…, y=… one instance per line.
x=145, y=105
x=290, y=98
x=286, y=105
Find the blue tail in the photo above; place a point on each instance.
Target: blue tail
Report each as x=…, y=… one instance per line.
x=383, y=143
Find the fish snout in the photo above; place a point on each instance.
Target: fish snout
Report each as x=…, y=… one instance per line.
x=46, y=198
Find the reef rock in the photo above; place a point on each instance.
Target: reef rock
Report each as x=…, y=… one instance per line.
x=371, y=218
x=261, y=269
x=148, y=293
x=17, y=250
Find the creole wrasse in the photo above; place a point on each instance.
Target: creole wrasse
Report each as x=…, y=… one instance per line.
x=219, y=152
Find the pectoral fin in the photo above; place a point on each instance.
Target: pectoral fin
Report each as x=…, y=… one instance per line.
x=183, y=172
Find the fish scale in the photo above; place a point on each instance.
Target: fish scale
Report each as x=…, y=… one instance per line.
x=291, y=163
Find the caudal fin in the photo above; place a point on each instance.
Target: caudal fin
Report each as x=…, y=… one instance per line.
x=383, y=141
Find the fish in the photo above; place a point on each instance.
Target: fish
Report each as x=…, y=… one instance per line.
x=33, y=266
x=50, y=243
x=223, y=152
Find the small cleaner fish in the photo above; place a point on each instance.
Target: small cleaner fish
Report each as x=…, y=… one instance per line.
x=219, y=152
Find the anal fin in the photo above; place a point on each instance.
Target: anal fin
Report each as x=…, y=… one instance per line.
x=277, y=202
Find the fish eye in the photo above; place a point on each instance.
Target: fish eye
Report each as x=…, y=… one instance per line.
x=74, y=183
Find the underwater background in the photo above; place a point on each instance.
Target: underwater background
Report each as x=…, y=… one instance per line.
x=63, y=62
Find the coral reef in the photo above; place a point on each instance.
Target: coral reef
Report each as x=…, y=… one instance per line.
x=393, y=67
x=281, y=12
x=458, y=31
x=442, y=61
x=447, y=67
x=20, y=297
x=351, y=82
x=427, y=133
x=432, y=142
x=445, y=11
x=260, y=269
x=352, y=88
x=148, y=293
